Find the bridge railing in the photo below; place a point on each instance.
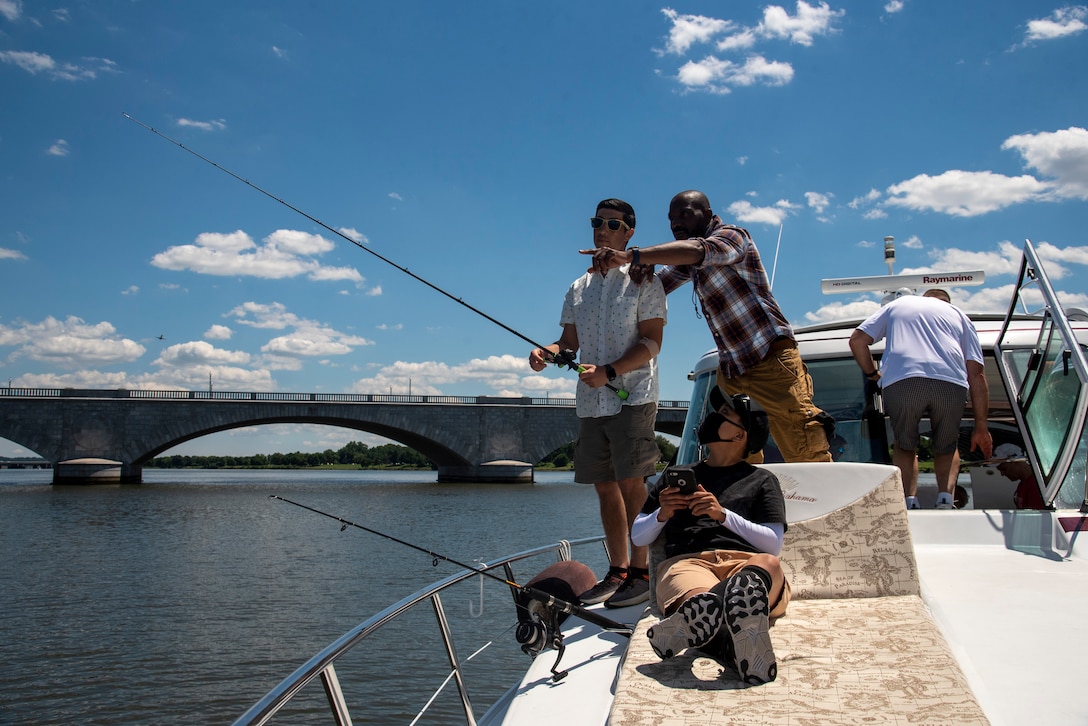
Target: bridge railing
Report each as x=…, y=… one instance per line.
x=163, y=395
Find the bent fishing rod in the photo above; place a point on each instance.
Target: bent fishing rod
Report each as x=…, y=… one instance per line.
x=562, y=358
x=545, y=598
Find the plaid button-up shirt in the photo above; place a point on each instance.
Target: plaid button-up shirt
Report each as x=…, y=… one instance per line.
x=735, y=297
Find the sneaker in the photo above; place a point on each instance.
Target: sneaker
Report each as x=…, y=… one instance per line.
x=606, y=588
x=634, y=590
x=746, y=611
x=945, y=505
x=944, y=501
x=692, y=625
x=912, y=503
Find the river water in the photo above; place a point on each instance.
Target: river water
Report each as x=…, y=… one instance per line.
x=186, y=598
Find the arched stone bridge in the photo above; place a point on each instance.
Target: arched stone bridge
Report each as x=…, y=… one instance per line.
x=107, y=435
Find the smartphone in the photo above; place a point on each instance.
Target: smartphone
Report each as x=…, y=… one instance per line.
x=682, y=477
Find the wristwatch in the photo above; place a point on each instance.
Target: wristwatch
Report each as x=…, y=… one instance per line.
x=871, y=374
x=610, y=372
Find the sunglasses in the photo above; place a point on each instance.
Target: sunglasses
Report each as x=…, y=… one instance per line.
x=613, y=224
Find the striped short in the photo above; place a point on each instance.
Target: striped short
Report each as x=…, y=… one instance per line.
x=910, y=400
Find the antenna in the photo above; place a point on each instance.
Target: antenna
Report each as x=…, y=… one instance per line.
x=774, y=268
x=892, y=282
x=889, y=253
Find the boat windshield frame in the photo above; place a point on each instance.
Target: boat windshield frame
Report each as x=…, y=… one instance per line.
x=1047, y=382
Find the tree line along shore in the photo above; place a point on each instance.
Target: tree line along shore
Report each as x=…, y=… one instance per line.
x=355, y=455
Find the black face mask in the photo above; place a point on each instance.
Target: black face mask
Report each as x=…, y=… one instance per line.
x=709, y=428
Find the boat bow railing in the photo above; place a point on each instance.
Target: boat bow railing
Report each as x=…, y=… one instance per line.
x=322, y=665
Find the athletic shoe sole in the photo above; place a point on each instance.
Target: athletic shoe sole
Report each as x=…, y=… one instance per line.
x=746, y=621
x=692, y=625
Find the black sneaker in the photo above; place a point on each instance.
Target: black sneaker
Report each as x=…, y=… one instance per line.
x=746, y=610
x=693, y=624
x=635, y=589
x=606, y=588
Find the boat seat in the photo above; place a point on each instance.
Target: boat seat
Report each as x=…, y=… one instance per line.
x=857, y=644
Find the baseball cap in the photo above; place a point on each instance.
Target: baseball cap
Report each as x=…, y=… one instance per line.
x=1004, y=453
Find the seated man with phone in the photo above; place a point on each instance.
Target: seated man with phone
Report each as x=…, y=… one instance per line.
x=721, y=586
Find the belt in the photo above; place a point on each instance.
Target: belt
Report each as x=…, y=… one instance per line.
x=780, y=344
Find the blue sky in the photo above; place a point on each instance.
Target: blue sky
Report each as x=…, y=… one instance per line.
x=470, y=142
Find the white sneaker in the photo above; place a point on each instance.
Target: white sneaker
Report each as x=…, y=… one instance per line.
x=944, y=501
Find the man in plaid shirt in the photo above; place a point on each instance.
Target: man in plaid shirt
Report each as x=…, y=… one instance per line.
x=756, y=348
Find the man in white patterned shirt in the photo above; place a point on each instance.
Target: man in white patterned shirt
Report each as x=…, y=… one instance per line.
x=617, y=326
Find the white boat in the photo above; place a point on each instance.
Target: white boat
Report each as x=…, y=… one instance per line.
x=969, y=616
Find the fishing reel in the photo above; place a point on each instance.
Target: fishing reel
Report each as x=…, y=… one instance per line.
x=539, y=632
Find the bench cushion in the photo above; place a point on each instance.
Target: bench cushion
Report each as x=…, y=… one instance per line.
x=845, y=661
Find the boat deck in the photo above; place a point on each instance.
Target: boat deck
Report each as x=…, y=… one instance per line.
x=1023, y=651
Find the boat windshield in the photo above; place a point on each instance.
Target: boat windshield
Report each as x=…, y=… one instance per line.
x=1048, y=380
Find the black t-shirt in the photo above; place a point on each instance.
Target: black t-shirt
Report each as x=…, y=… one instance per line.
x=753, y=493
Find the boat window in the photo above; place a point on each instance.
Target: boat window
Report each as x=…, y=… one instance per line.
x=688, y=451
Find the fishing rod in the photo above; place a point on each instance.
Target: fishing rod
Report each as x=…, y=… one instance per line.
x=563, y=358
x=541, y=596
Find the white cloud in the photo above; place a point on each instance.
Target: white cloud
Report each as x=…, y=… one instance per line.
x=713, y=74
x=284, y=254
x=35, y=63
x=810, y=21
x=59, y=148
x=215, y=125
x=218, y=332
x=394, y=195
x=11, y=9
x=894, y=6
x=718, y=76
x=305, y=338
x=354, y=234
x=279, y=52
x=199, y=352
x=6, y=254
x=131, y=290
x=504, y=375
x=1061, y=23
x=70, y=343
x=818, y=201
x=746, y=212
x=965, y=193
x=687, y=30
x=1061, y=155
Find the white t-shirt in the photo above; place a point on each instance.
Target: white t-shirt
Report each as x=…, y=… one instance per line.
x=606, y=312
x=926, y=338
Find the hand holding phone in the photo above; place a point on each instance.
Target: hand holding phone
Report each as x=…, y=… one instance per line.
x=681, y=477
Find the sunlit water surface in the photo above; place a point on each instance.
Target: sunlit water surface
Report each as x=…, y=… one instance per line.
x=186, y=598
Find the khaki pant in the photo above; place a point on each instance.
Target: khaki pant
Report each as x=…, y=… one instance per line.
x=782, y=387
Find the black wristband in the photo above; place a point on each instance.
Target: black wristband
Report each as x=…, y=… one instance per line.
x=871, y=374
x=636, y=255
x=610, y=371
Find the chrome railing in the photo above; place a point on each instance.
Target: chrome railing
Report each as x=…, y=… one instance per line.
x=322, y=665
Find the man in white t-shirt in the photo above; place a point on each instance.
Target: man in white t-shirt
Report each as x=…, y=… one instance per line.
x=615, y=324
x=932, y=361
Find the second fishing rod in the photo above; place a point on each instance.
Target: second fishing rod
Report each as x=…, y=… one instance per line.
x=561, y=358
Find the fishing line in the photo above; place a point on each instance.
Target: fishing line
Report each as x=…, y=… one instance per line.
x=547, y=599
x=560, y=359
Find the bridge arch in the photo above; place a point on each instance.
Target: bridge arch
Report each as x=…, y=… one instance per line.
x=478, y=438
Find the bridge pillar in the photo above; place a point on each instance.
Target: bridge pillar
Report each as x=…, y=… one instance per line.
x=90, y=470
x=501, y=471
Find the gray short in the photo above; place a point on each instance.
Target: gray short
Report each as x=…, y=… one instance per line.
x=610, y=448
x=910, y=400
